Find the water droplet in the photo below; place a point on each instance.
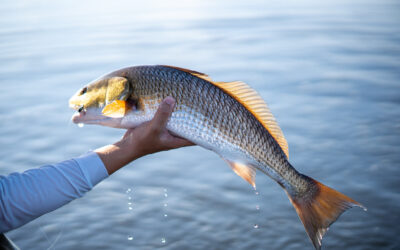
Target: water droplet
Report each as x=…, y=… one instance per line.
x=255, y=226
x=165, y=205
x=165, y=195
x=129, y=198
x=128, y=190
x=257, y=207
x=80, y=125
x=130, y=208
x=256, y=193
x=165, y=215
x=165, y=190
x=129, y=203
x=130, y=237
x=163, y=240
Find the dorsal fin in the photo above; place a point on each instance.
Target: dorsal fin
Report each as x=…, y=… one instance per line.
x=249, y=98
x=252, y=101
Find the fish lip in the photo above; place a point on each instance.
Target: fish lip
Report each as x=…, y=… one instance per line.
x=77, y=107
x=73, y=106
x=88, y=117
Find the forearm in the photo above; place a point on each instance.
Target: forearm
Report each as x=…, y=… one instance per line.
x=26, y=196
x=117, y=155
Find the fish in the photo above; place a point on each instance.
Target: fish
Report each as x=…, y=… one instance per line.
x=228, y=118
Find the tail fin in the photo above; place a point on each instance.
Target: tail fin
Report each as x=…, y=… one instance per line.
x=320, y=209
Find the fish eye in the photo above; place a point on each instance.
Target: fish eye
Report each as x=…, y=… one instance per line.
x=80, y=109
x=83, y=91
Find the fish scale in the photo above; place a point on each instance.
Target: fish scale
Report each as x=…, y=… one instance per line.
x=250, y=133
x=229, y=118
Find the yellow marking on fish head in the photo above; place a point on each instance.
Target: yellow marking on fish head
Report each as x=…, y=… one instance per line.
x=101, y=92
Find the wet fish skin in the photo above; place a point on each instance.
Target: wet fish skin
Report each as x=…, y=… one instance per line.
x=225, y=120
x=210, y=116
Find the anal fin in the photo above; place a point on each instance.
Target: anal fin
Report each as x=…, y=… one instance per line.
x=247, y=172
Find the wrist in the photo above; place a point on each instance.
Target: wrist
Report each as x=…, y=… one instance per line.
x=128, y=149
x=117, y=155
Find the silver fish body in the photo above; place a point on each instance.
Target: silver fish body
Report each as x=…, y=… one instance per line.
x=207, y=116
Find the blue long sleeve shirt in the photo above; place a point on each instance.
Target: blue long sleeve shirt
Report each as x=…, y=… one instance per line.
x=28, y=195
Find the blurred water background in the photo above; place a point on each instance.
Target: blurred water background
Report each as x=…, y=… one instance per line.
x=329, y=70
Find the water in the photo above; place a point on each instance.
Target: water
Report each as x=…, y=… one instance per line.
x=330, y=71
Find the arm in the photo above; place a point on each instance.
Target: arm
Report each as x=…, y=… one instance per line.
x=26, y=196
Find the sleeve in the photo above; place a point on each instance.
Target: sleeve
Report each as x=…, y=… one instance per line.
x=28, y=195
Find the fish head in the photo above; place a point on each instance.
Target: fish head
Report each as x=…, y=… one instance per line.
x=91, y=101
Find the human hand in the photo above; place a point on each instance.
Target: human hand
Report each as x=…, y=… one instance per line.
x=153, y=136
x=150, y=137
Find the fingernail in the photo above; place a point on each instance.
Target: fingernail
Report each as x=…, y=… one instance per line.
x=169, y=100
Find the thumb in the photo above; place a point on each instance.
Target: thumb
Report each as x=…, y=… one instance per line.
x=163, y=113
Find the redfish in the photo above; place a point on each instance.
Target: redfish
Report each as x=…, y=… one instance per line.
x=229, y=118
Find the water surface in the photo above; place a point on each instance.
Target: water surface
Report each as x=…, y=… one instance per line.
x=329, y=70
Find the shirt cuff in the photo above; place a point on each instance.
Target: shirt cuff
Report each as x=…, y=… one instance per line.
x=92, y=167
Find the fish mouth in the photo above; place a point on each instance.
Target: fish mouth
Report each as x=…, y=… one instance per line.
x=82, y=117
x=94, y=116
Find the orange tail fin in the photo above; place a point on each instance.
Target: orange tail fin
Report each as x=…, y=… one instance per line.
x=320, y=209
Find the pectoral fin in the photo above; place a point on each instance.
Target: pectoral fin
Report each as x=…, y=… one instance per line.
x=247, y=172
x=116, y=109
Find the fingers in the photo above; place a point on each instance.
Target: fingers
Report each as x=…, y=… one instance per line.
x=162, y=115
